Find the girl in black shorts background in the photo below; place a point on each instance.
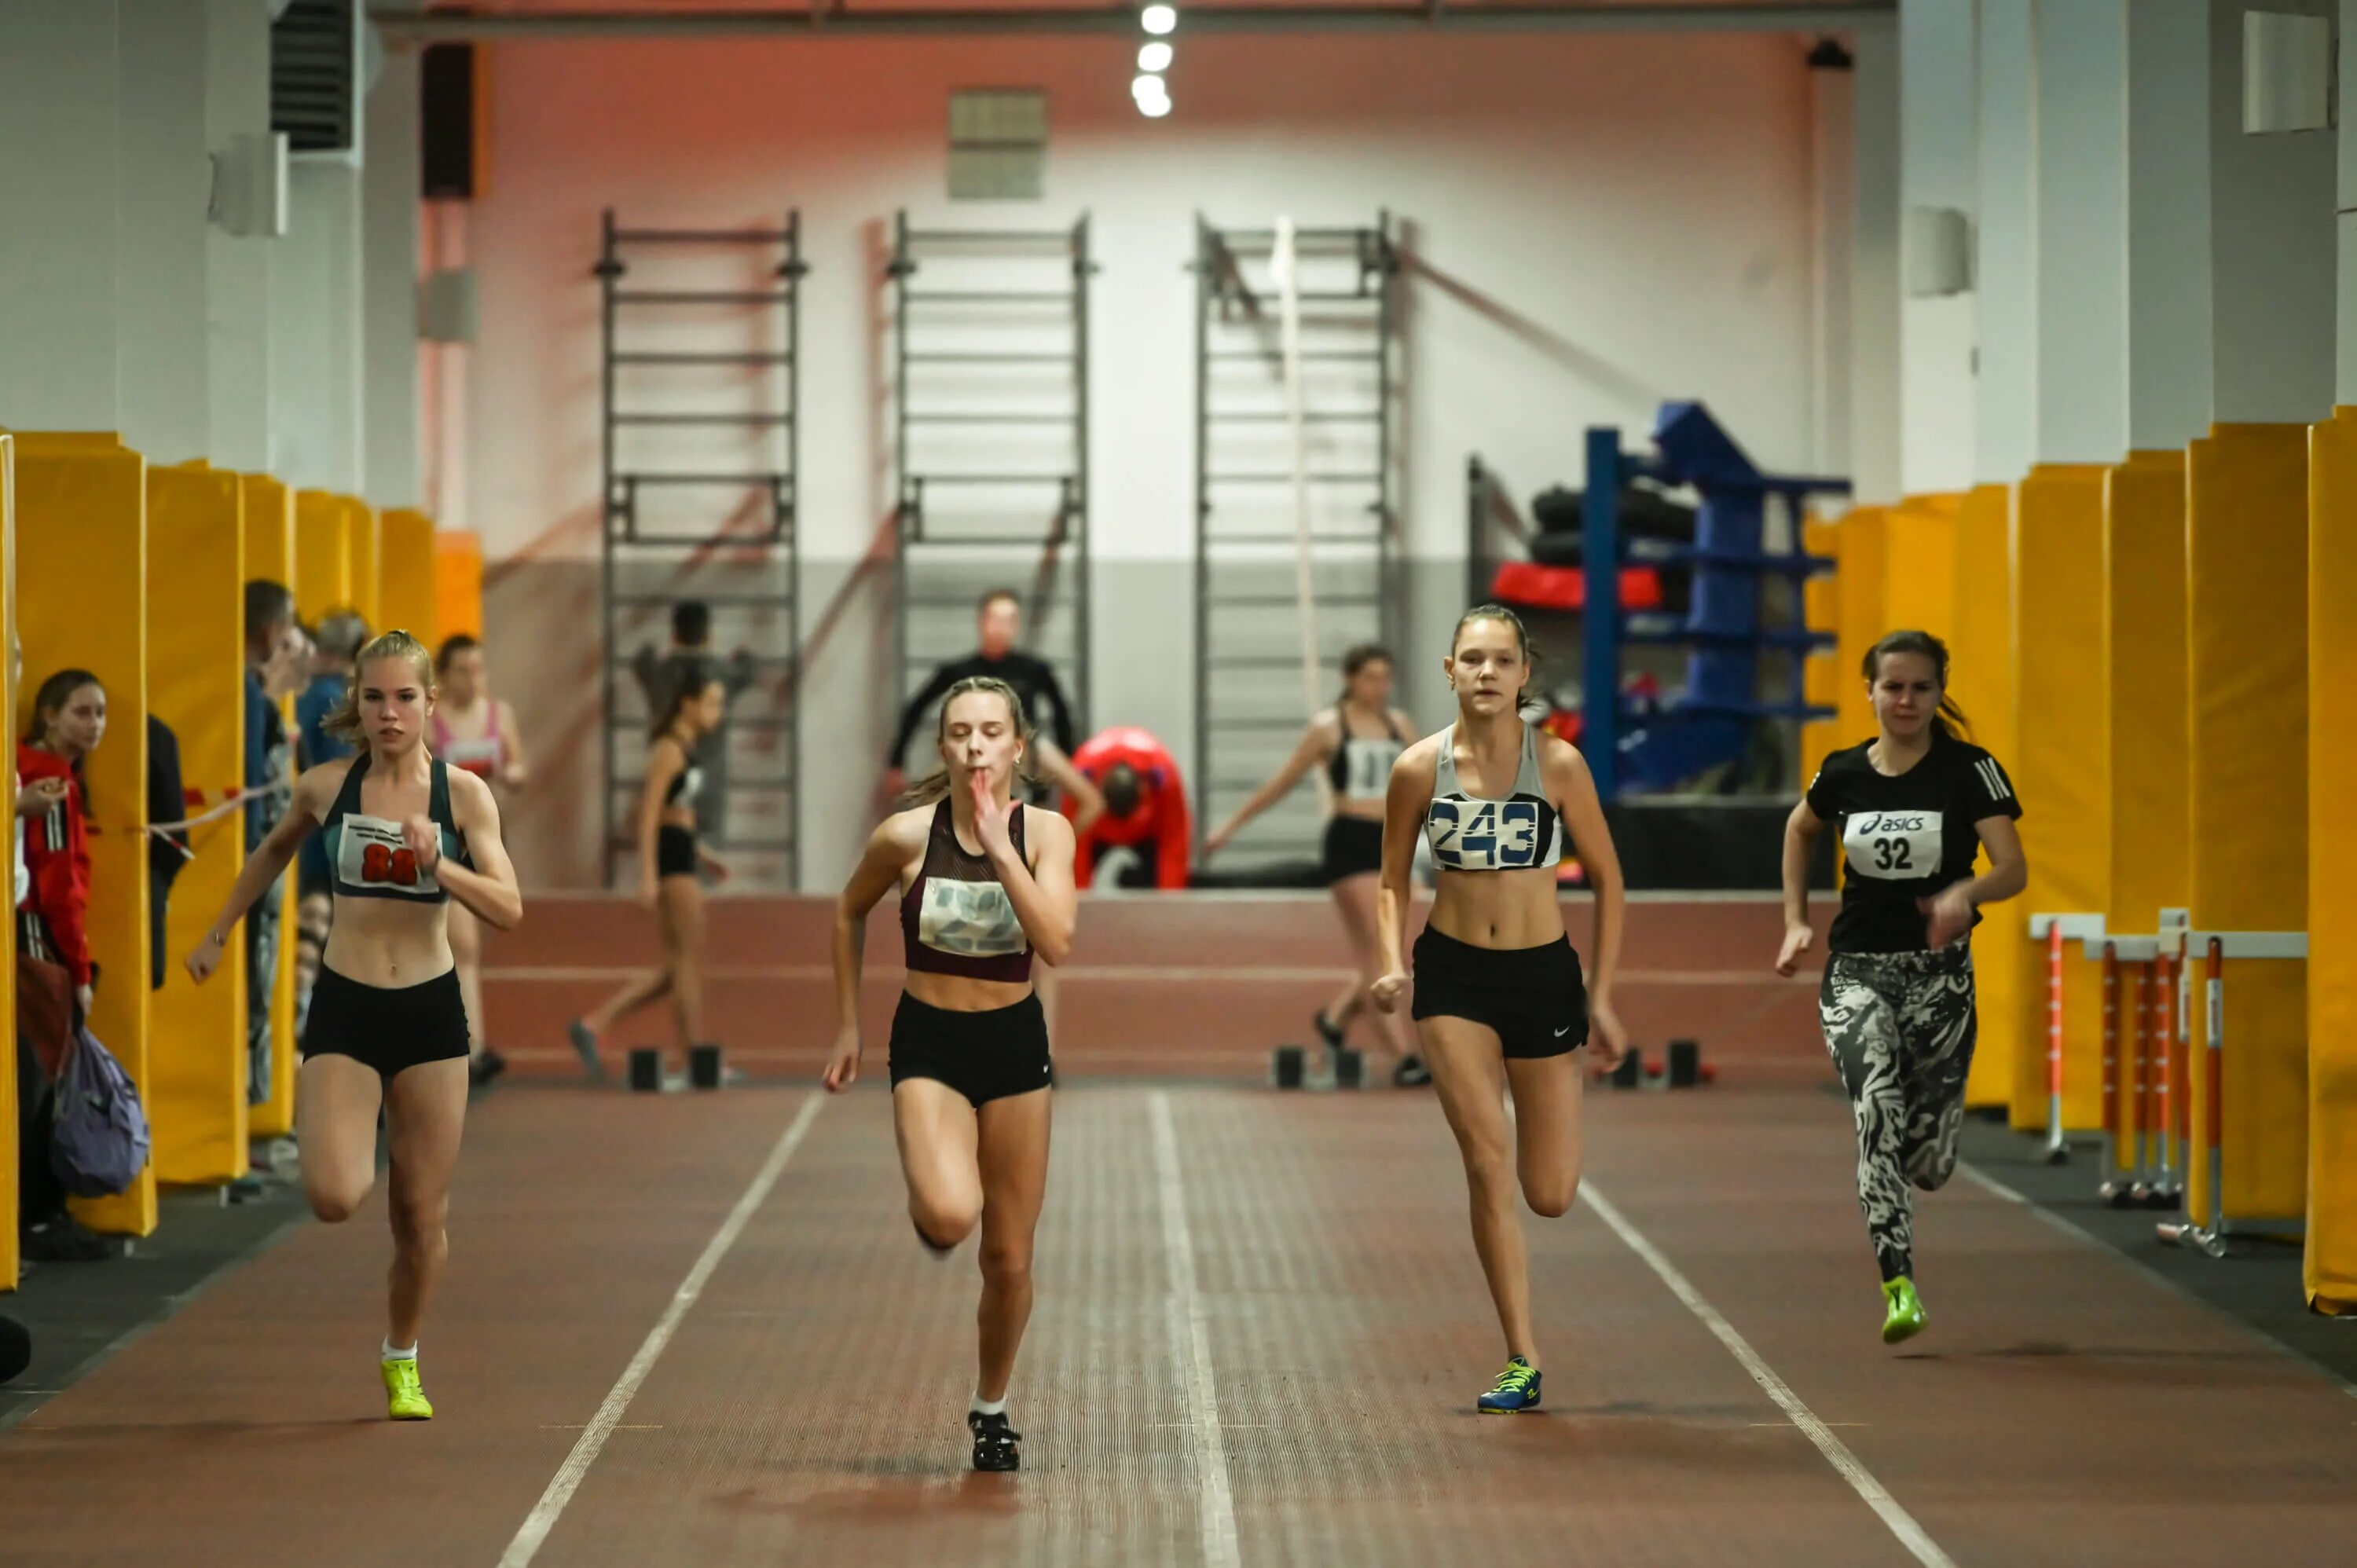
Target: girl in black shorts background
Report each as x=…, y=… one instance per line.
x=986, y=882
x=1356, y=741
x=405, y=833
x=669, y=856
x=1500, y=1000
x=1915, y=806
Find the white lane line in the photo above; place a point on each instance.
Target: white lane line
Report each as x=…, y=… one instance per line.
x=1861, y=1481
x=569, y=1475
x=1192, y=1333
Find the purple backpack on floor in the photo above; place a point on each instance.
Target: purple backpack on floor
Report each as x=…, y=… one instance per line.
x=100, y=1144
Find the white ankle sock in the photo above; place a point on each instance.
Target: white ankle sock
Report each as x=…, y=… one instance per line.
x=390, y=1354
x=982, y=1406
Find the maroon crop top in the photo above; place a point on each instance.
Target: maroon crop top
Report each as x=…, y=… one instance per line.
x=955, y=918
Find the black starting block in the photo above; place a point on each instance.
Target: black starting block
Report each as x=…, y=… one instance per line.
x=703, y=1067
x=646, y=1070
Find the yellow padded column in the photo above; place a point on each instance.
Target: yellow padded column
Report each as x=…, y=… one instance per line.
x=1980, y=678
x=2332, y=1264
x=323, y=555
x=2247, y=604
x=270, y=554
x=81, y=530
x=196, y=684
x=405, y=581
x=9, y=1262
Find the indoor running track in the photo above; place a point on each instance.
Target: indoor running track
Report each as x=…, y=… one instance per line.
x=697, y=1330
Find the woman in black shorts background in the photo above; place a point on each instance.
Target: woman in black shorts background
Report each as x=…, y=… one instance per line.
x=1500, y=999
x=1356, y=741
x=405, y=833
x=986, y=882
x=1915, y=806
x=669, y=856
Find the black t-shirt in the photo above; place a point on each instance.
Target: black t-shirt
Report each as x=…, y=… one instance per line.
x=1034, y=682
x=1906, y=837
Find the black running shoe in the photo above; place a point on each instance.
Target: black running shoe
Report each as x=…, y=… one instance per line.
x=1411, y=1073
x=994, y=1442
x=1327, y=1031
x=481, y=1069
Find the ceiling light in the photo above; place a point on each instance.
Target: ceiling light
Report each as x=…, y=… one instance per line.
x=1158, y=20
x=1154, y=57
x=1153, y=108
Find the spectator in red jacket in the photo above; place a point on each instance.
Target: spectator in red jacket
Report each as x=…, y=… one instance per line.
x=1144, y=806
x=69, y=720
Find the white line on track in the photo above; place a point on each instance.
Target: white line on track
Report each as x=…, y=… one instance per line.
x=570, y=1474
x=1190, y=1331
x=1861, y=1481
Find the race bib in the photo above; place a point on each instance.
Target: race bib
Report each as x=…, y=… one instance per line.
x=1893, y=847
x=374, y=855
x=973, y=920
x=1367, y=767
x=1484, y=835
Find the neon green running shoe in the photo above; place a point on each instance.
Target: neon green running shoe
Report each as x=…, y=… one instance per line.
x=1904, y=1320
x=403, y=1399
x=1517, y=1390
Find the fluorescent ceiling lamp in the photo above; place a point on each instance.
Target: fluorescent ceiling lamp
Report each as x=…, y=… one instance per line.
x=1158, y=20
x=1154, y=57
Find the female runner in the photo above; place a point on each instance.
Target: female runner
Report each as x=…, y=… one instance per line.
x=1499, y=994
x=478, y=732
x=1357, y=742
x=1915, y=804
x=669, y=856
x=406, y=834
x=986, y=882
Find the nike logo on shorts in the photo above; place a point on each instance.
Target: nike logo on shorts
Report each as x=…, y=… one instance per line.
x=1559, y=1033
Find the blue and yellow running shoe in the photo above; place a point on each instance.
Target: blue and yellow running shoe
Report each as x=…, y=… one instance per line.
x=1517, y=1390
x=403, y=1399
x=1904, y=1318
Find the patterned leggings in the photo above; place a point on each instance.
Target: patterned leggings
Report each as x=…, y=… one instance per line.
x=1901, y=1027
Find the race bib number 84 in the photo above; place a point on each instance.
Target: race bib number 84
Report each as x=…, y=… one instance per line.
x=1895, y=846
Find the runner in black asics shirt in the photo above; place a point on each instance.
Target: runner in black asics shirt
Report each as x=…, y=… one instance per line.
x=1913, y=807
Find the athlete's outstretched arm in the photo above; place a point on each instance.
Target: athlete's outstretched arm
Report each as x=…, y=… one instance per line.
x=488, y=888
x=314, y=797
x=1318, y=743
x=1404, y=806
x=877, y=873
x=1574, y=788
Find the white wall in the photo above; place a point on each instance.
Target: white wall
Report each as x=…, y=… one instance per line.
x=1605, y=222
x=1938, y=112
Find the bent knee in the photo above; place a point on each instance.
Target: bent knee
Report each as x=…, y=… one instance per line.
x=945, y=1224
x=333, y=1205
x=1550, y=1198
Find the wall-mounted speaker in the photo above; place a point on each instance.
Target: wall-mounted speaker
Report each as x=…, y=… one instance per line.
x=1939, y=253
x=250, y=186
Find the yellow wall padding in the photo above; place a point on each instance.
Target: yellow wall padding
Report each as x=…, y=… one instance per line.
x=405, y=574
x=81, y=528
x=1919, y=565
x=323, y=553
x=196, y=684
x=2144, y=675
x=364, y=566
x=1865, y=534
x=1980, y=679
x=458, y=583
x=270, y=553
x=8, y=1156
x=2331, y=1274
x=2246, y=602
x=2061, y=763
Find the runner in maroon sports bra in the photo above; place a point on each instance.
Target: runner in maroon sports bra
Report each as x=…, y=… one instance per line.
x=986, y=882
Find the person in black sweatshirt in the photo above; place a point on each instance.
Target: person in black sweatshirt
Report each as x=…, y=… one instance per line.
x=1914, y=806
x=998, y=626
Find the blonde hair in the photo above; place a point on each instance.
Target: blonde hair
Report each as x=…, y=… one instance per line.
x=935, y=784
x=345, y=723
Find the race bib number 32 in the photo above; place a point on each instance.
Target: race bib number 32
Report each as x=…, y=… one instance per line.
x=1895, y=846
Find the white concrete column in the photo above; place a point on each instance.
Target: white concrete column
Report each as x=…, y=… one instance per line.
x=2168, y=355
x=1874, y=439
x=2272, y=268
x=390, y=186
x=164, y=188
x=317, y=334
x=2006, y=405
x=2079, y=126
x=1833, y=226
x=59, y=120
x=236, y=270
x=1937, y=136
